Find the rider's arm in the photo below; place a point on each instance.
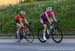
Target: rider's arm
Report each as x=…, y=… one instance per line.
x=48, y=20
x=54, y=18
x=25, y=20
x=47, y=17
x=21, y=21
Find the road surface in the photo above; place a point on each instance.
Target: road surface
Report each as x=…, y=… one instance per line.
x=68, y=44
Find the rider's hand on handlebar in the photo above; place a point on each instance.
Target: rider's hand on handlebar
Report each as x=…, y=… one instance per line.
x=29, y=25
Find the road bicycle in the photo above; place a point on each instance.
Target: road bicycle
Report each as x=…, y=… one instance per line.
x=54, y=31
x=26, y=34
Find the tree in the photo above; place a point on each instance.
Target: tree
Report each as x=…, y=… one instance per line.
x=23, y=1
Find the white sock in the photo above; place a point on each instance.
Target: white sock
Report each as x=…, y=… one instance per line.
x=44, y=36
x=17, y=32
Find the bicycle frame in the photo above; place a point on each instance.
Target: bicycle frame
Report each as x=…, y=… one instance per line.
x=25, y=33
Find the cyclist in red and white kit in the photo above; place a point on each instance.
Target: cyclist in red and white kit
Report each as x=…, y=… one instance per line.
x=18, y=20
x=47, y=16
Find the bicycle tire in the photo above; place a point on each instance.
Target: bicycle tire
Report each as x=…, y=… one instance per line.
x=40, y=36
x=54, y=38
x=29, y=37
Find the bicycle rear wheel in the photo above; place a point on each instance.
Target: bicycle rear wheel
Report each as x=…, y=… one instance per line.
x=29, y=36
x=40, y=36
x=57, y=35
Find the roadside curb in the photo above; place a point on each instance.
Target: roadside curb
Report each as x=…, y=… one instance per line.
x=35, y=37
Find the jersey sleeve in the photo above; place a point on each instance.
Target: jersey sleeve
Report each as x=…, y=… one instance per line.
x=52, y=14
x=19, y=18
x=46, y=14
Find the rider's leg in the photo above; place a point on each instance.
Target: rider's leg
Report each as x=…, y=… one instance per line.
x=25, y=29
x=42, y=21
x=18, y=28
x=44, y=31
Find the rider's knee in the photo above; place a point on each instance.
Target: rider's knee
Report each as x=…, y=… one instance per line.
x=45, y=26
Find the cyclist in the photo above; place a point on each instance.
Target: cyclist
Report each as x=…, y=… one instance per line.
x=18, y=20
x=47, y=16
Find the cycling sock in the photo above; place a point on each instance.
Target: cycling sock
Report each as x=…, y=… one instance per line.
x=17, y=32
x=44, y=36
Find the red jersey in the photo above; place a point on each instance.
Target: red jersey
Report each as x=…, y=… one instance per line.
x=18, y=18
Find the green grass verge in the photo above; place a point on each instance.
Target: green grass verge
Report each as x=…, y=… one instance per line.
x=64, y=10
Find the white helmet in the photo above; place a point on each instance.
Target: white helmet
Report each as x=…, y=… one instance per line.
x=22, y=13
x=49, y=9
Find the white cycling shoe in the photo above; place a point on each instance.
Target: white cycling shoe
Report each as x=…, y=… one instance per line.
x=44, y=38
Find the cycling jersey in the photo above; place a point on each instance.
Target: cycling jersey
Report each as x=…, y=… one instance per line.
x=17, y=18
x=49, y=14
x=43, y=17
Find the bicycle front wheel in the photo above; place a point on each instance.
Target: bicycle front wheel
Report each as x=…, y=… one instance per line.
x=40, y=36
x=29, y=37
x=57, y=35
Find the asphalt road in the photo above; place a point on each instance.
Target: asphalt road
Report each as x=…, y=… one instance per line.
x=68, y=44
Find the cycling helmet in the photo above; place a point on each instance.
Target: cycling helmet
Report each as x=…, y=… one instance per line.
x=22, y=13
x=49, y=9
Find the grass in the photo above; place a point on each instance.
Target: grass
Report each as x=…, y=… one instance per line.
x=64, y=10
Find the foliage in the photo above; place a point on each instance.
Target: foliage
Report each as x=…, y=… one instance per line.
x=63, y=9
